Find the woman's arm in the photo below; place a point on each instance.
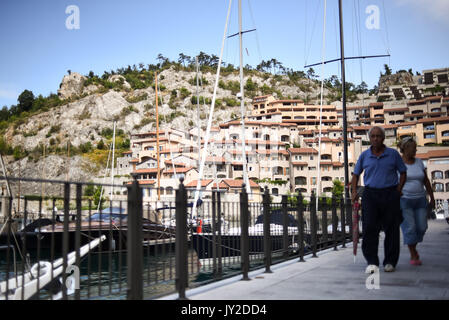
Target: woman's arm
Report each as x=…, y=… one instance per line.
x=429, y=189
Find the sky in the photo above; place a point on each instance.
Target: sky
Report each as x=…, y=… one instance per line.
x=41, y=39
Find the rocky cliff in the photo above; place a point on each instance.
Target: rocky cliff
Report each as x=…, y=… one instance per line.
x=94, y=108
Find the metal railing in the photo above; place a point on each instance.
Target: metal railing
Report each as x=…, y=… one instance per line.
x=134, y=246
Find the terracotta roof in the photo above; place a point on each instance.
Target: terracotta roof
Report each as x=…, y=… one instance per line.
x=299, y=163
x=177, y=164
x=438, y=153
x=178, y=170
x=127, y=152
x=396, y=109
x=310, y=120
x=421, y=114
x=416, y=102
x=150, y=170
x=433, y=98
x=215, y=159
x=439, y=119
x=409, y=123
x=376, y=104
x=302, y=151
x=168, y=151
x=337, y=164
x=434, y=154
x=237, y=183
x=143, y=182
x=193, y=183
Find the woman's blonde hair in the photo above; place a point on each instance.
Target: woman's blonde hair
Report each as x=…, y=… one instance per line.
x=404, y=143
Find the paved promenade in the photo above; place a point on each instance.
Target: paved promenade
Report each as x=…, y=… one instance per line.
x=334, y=275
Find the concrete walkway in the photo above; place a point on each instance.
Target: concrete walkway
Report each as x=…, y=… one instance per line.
x=334, y=275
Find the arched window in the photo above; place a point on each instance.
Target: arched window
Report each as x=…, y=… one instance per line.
x=300, y=181
x=438, y=187
x=437, y=174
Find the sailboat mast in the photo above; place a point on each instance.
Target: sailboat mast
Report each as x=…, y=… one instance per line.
x=343, y=84
x=242, y=102
x=157, y=145
x=198, y=111
x=112, y=162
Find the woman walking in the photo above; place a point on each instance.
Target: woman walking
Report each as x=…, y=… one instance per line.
x=413, y=199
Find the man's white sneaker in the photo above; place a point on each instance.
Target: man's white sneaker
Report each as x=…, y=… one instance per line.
x=389, y=268
x=372, y=268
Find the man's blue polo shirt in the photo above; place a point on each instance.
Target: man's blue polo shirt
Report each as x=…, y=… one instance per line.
x=380, y=171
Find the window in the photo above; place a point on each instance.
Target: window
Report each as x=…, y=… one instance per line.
x=438, y=187
x=437, y=175
x=311, y=158
x=275, y=191
x=312, y=168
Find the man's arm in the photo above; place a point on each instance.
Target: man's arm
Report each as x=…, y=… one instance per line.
x=354, y=182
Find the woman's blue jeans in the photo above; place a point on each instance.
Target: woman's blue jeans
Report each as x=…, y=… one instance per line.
x=414, y=225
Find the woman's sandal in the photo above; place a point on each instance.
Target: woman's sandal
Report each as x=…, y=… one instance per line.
x=416, y=262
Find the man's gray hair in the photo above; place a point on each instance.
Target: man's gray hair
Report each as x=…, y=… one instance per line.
x=376, y=127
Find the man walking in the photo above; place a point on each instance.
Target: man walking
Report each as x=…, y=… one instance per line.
x=380, y=199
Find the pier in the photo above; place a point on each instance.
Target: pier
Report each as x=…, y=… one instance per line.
x=334, y=275
x=236, y=248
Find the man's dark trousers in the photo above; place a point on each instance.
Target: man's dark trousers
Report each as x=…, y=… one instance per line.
x=381, y=210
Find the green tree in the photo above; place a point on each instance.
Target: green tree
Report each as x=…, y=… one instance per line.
x=97, y=195
x=26, y=99
x=388, y=71
x=337, y=189
x=89, y=191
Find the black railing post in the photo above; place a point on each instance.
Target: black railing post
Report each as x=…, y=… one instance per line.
x=266, y=231
x=134, y=243
x=343, y=222
x=65, y=238
x=214, y=234
x=181, y=247
x=349, y=216
x=284, y=226
x=244, y=239
x=300, y=213
x=77, y=232
x=324, y=236
x=219, y=245
x=334, y=221
x=313, y=222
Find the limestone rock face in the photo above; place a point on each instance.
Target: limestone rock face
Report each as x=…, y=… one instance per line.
x=71, y=85
x=119, y=78
x=401, y=78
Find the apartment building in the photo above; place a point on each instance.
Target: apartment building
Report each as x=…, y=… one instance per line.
x=427, y=84
x=437, y=163
x=295, y=112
